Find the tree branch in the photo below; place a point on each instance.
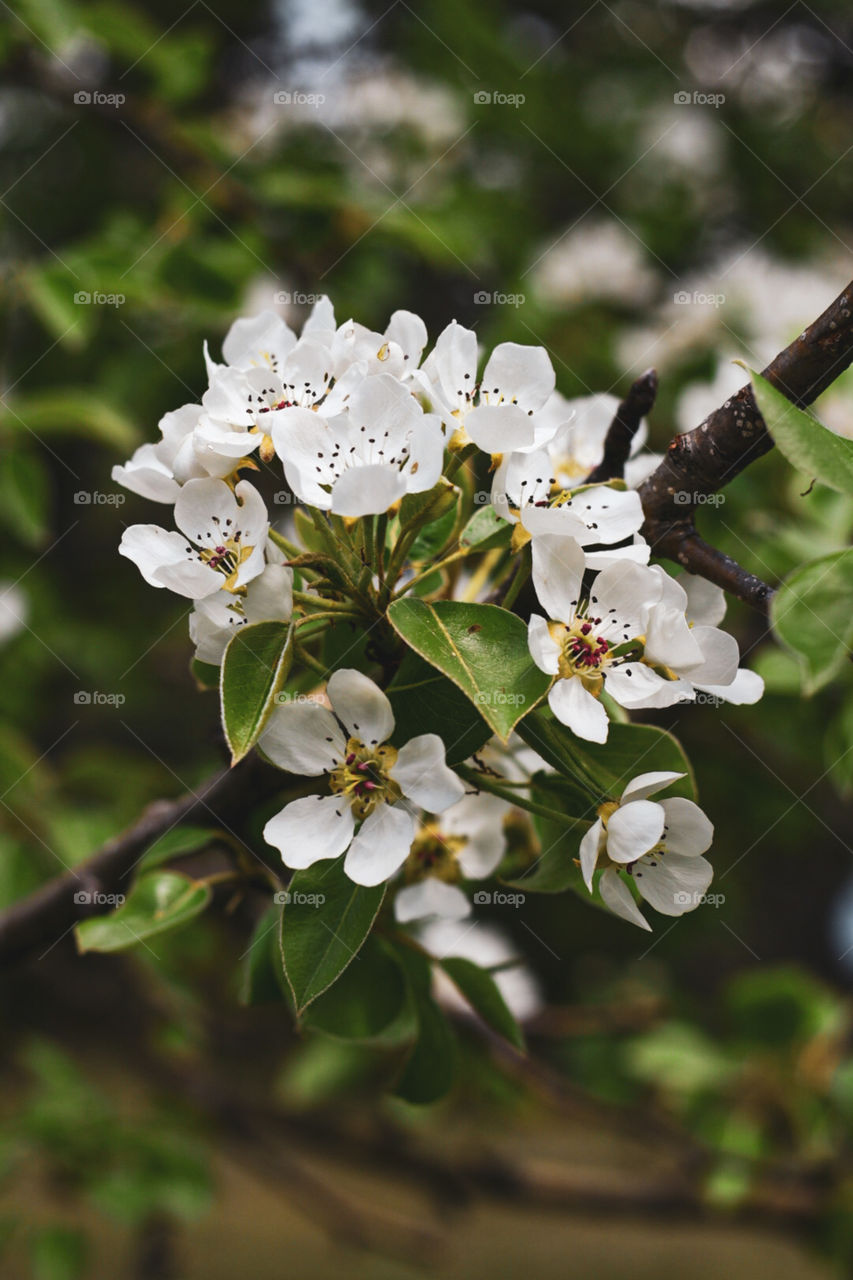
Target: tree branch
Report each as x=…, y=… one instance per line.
x=620, y=434
x=701, y=462
x=44, y=917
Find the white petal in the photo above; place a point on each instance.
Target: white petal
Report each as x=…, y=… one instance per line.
x=270, y=596
x=499, y=428
x=616, y=895
x=422, y=773
x=410, y=333
x=368, y=490
x=633, y=684
x=673, y=884
x=630, y=589
x=381, y=846
x=574, y=706
x=521, y=373
x=321, y=319
x=309, y=829
x=646, y=784
x=254, y=339
x=610, y=514
x=589, y=850
x=746, y=688
x=688, y=830
x=720, y=654
x=150, y=547
x=706, y=603
x=480, y=818
x=454, y=357
x=544, y=651
x=558, y=567
x=562, y=522
x=633, y=829
x=303, y=737
x=670, y=642
x=299, y=436
x=430, y=897
x=146, y=474
x=361, y=706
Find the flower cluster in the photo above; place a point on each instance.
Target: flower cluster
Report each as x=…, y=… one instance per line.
x=378, y=444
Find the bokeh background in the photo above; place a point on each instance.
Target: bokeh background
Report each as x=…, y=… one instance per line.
x=628, y=185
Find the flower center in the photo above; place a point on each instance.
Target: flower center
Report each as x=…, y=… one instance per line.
x=364, y=777
x=434, y=854
x=583, y=652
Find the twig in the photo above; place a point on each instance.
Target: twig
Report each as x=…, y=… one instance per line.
x=626, y=422
x=703, y=461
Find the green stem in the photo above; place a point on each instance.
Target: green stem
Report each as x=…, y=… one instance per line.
x=302, y=655
x=457, y=460
x=431, y=569
x=305, y=599
x=290, y=549
x=331, y=615
x=522, y=573
x=485, y=782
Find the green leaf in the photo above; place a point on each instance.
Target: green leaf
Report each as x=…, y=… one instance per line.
x=179, y=841
x=555, y=870
x=482, y=649
x=158, y=901
x=805, y=442
x=418, y=509
x=606, y=769
x=262, y=979
x=425, y=701
x=812, y=614
x=430, y=1067
x=325, y=921
x=486, y=530
x=369, y=1002
x=24, y=495
x=205, y=674
x=255, y=666
x=482, y=993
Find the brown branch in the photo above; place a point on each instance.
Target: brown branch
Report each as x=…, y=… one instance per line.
x=42, y=919
x=701, y=462
x=626, y=422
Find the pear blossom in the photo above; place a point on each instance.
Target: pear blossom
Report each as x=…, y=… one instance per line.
x=157, y=471
x=221, y=543
x=269, y=597
x=496, y=412
x=368, y=814
x=398, y=351
x=366, y=458
x=265, y=340
x=466, y=843
x=613, y=637
x=525, y=489
x=574, y=430
x=658, y=843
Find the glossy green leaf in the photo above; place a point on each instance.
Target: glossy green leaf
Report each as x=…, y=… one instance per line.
x=486, y=530
x=369, y=1002
x=805, y=442
x=812, y=614
x=159, y=901
x=325, y=921
x=255, y=666
x=177, y=842
x=482, y=649
x=425, y=701
x=482, y=993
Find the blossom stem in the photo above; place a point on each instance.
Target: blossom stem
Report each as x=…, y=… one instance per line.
x=331, y=615
x=484, y=782
x=431, y=569
x=458, y=459
x=302, y=655
x=522, y=573
x=305, y=599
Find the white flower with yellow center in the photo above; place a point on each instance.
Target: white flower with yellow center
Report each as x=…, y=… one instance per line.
x=658, y=843
x=221, y=543
x=497, y=412
x=373, y=785
x=267, y=598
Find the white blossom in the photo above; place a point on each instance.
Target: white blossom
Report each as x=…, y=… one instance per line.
x=374, y=786
x=658, y=843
